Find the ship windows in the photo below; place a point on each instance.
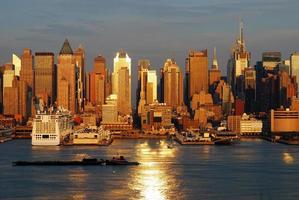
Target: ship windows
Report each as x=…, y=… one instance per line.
x=45, y=136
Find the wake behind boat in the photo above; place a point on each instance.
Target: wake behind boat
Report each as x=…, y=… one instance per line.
x=85, y=161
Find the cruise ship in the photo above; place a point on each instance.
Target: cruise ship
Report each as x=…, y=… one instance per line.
x=51, y=128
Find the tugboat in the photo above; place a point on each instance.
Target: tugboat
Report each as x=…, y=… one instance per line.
x=85, y=161
x=120, y=161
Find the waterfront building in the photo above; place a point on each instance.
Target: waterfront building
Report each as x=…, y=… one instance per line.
x=284, y=121
x=156, y=117
x=44, y=74
x=245, y=125
x=172, y=84
x=239, y=61
x=197, y=72
x=79, y=60
x=66, y=79
x=294, y=63
x=16, y=61
x=271, y=60
x=121, y=82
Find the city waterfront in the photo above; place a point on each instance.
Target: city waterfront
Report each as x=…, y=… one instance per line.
x=253, y=169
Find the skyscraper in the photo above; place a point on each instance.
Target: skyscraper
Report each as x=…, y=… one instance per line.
x=240, y=59
x=214, y=72
x=27, y=73
x=97, y=80
x=121, y=82
x=147, y=85
x=79, y=59
x=172, y=83
x=295, y=68
x=44, y=74
x=66, y=78
x=197, y=69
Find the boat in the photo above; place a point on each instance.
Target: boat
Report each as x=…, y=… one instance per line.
x=85, y=161
x=51, y=128
x=120, y=161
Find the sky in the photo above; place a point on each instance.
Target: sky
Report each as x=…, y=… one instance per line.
x=156, y=29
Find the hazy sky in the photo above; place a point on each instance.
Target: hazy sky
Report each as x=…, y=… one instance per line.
x=154, y=29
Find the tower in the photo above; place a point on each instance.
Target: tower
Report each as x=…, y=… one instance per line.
x=121, y=82
x=66, y=78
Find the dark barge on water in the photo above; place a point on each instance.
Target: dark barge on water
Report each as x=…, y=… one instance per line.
x=84, y=162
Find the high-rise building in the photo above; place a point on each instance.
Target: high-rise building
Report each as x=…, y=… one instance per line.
x=121, y=82
x=44, y=74
x=8, y=75
x=147, y=85
x=15, y=98
x=66, y=79
x=79, y=59
x=271, y=60
x=172, y=84
x=250, y=89
x=239, y=61
x=97, y=80
x=197, y=70
x=27, y=70
x=16, y=61
x=214, y=72
x=294, y=61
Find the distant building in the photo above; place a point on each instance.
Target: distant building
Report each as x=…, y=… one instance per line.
x=284, y=121
x=239, y=61
x=271, y=60
x=66, y=79
x=79, y=59
x=214, y=72
x=197, y=72
x=45, y=75
x=121, y=82
x=97, y=81
x=15, y=101
x=250, y=90
x=147, y=85
x=172, y=84
x=27, y=69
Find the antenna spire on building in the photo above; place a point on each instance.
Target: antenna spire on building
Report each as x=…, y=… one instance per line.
x=215, y=62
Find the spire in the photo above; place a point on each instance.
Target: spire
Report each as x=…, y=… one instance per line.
x=215, y=62
x=241, y=37
x=241, y=31
x=66, y=48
